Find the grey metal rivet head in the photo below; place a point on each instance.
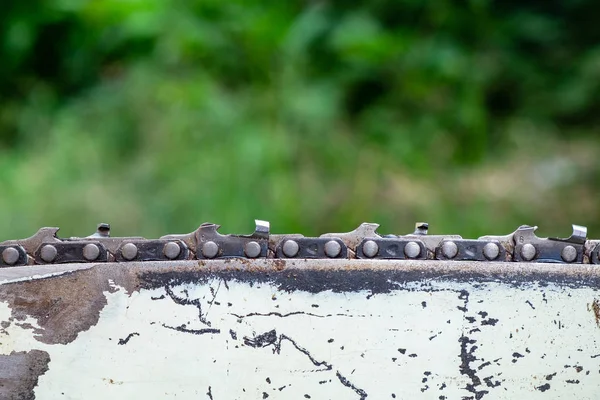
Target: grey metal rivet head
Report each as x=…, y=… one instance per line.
x=210, y=249
x=569, y=253
x=91, y=252
x=528, y=251
x=370, y=248
x=129, y=251
x=332, y=249
x=252, y=249
x=449, y=249
x=491, y=251
x=10, y=255
x=48, y=253
x=171, y=250
x=290, y=248
x=412, y=250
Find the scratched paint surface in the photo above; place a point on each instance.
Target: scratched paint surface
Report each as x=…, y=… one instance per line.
x=227, y=338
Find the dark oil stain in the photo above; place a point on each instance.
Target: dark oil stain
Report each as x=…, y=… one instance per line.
x=271, y=338
x=490, y=382
x=485, y=364
x=346, y=382
x=209, y=393
x=516, y=356
x=490, y=321
x=544, y=387
x=280, y=315
x=126, y=340
x=183, y=329
x=530, y=304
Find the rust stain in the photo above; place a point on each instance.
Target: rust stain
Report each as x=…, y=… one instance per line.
x=19, y=373
x=112, y=381
x=596, y=310
x=63, y=306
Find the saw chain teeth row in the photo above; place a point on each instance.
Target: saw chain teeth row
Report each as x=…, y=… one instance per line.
x=71, y=252
x=152, y=250
x=470, y=250
x=363, y=243
x=391, y=249
x=311, y=248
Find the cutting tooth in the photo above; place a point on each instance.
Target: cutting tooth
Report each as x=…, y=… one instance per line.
x=353, y=238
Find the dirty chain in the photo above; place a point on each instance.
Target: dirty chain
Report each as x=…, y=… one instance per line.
x=45, y=247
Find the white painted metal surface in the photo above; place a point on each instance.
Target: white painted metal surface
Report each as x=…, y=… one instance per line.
x=449, y=335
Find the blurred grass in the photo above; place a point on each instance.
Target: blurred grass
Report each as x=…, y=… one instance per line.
x=158, y=115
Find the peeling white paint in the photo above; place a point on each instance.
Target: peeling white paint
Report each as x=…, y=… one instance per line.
x=426, y=340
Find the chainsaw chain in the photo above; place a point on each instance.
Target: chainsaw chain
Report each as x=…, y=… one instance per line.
x=363, y=243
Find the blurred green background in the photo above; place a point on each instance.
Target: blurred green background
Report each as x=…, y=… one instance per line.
x=158, y=115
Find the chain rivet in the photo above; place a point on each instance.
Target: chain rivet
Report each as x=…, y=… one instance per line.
x=129, y=251
x=332, y=249
x=48, y=253
x=449, y=249
x=252, y=249
x=10, y=255
x=370, y=248
x=569, y=254
x=290, y=248
x=91, y=252
x=412, y=250
x=210, y=249
x=171, y=250
x=491, y=251
x=528, y=251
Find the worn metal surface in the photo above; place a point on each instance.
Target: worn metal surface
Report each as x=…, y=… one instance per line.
x=295, y=329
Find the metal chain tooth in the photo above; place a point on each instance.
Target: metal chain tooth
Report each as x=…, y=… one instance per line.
x=529, y=247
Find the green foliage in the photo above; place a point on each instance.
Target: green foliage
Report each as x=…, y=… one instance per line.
x=158, y=115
